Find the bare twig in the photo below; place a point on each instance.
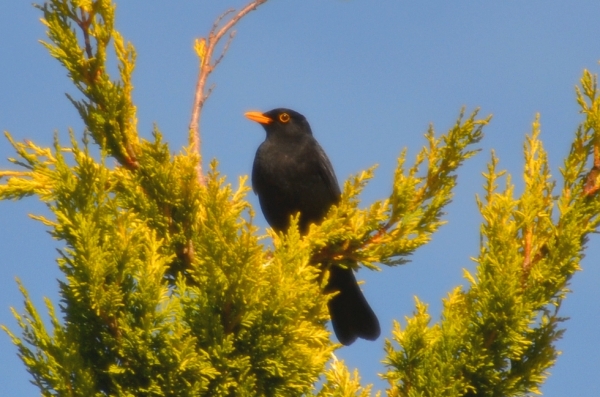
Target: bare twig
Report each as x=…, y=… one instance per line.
x=207, y=65
x=225, y=49
x=220, y=18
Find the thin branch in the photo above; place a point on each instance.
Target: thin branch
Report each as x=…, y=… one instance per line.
x=207, y=65
x=592, y=184
x=220, y=18
x=225, y=49
x=84, y=23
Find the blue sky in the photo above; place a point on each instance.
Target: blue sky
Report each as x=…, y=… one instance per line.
x=370, y=76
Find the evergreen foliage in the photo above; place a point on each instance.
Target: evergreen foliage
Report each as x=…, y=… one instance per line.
x=496, y=338
x=168, y=290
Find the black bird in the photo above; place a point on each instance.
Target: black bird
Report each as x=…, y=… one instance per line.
x=291, y=174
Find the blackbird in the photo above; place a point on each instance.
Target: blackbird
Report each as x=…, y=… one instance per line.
x=291, y=174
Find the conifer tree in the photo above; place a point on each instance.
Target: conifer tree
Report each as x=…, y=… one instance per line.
x=169, y=291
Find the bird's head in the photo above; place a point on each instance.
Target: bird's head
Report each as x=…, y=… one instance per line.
x=281, y=122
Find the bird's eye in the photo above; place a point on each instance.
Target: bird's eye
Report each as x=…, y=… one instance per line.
x=284, y=117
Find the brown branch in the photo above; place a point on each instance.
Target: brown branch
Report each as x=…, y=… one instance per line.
x=207, y=66
x=591, y=183
x=527, y=255
x=84, y=24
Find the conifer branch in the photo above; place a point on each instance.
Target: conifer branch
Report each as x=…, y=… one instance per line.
x=167, y=288
x=107, y=108
x=499, y=335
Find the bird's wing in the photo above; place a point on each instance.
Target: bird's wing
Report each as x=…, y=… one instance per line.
x=328, y=175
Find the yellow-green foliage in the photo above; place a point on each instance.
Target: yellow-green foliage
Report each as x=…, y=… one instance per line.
x=496, y=338
x=168, y=290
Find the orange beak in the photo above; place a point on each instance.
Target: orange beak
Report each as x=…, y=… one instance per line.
x=258, y=117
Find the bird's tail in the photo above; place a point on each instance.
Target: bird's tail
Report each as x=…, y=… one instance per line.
x=351, y=315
